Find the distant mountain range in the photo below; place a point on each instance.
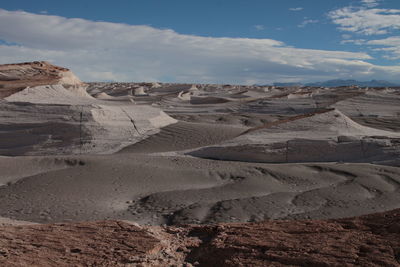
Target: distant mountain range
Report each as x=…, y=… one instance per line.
x=337, y=83
x=287, y=84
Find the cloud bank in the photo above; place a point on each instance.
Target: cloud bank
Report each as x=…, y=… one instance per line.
x=370, y=22
x=366, y=21
x=98, y=51
x=390, y=45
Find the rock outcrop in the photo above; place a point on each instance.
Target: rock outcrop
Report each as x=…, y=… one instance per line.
x=322, y=136
x=17, y=77
x=372, y=240
x=47, y=110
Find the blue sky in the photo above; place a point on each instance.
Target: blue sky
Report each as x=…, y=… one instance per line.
x=181, y=40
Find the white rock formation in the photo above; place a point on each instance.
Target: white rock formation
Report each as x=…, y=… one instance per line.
x=155, y=85
x=140, y=91
x=97, y=125
x=328, y=136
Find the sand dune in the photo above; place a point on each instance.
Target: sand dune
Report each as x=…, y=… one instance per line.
x=183, y=136
x=173, y=190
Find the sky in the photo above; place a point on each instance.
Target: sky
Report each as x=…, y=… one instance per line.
x=208, y=41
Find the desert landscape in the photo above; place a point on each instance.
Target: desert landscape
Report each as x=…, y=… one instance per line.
x=167, y=174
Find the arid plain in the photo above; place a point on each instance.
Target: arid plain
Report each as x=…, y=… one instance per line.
x=155, y=157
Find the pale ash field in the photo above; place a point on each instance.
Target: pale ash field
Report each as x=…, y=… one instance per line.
x=181, y=153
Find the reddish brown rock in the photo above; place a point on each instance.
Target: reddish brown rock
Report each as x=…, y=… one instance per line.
x=80, y=244
x=372, y=240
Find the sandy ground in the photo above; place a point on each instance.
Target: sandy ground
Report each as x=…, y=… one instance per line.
x=152, y=189
x=179, y=153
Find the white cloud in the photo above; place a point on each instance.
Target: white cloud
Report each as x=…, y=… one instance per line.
x=114, y=51
x=296, y=9
x=391, y=41
x=259, y=27
x=391, y=46
x=370, y=3
x=306, y=22
x=356, y=42
x=366, y=21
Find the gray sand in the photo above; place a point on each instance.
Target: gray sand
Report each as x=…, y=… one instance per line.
x=158, y=177
x=173, y=190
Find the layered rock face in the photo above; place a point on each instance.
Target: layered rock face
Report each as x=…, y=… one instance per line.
x=17, y=77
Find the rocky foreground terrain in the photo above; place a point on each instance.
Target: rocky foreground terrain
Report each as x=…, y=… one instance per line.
x=372, y=240
x=130, y=174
